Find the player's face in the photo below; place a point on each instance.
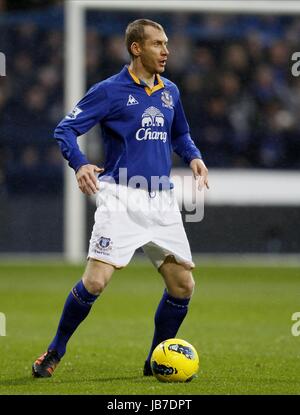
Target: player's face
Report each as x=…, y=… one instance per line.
x=154, y=52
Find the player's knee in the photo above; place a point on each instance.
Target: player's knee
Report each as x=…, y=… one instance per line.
x=97, y=276
x=93, y=285
x=184, y=288
x=188, y=287
x=95, y=282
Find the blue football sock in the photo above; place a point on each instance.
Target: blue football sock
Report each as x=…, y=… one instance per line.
x=77, y=307
x=169, y=315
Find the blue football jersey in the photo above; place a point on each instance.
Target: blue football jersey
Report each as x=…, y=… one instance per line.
x=141, y=127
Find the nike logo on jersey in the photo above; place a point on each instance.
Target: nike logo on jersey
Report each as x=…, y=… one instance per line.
x=131, y=101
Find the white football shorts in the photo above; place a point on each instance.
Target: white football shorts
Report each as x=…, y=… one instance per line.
x=128, y=218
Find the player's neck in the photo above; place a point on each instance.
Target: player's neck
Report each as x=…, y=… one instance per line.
x=140, y=71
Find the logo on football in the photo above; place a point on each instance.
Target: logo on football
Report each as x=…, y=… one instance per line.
x=175, y=360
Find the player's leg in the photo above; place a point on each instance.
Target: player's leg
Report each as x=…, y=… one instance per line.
x=178, y=278
x=170, y=253
x=173, y=305
x=97, y=275
x=77, y=306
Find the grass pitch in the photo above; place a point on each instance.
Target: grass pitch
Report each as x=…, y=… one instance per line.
x=239, y=321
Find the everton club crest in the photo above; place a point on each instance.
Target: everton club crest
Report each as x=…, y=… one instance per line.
x=167, y=99
x=104, y=242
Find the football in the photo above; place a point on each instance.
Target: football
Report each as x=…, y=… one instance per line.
x=174, y=360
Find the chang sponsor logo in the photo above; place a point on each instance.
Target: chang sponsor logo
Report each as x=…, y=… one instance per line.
x=152, y=117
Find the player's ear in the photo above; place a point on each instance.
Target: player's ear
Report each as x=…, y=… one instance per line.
x=135, y=49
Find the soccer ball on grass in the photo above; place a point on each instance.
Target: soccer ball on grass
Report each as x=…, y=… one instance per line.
x=174, y=360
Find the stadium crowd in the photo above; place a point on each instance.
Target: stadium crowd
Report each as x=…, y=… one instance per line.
x=234, y=73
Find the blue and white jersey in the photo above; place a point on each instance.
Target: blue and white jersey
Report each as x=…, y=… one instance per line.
x=140, y=127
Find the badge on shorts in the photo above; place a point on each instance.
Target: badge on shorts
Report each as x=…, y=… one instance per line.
x=167, y=99
x=104, y=242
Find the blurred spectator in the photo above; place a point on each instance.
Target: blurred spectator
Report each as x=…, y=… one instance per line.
x=279, y=56
x=203, y=59
x=94, y=56
x=180, y=52
x=240, y=108
x=255, y=47
x=264, y=85
x=115, y=55
x=217, y=138
x=236, y=60
x=31, y=176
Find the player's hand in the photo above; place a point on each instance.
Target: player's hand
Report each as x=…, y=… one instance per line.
x=87, y=180
x=200, y=172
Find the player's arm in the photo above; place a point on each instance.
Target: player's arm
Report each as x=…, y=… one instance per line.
x=88, y=112
x=184, y=146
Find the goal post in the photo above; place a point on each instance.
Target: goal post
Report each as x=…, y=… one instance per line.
x=74, y=203
x=75, y=80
